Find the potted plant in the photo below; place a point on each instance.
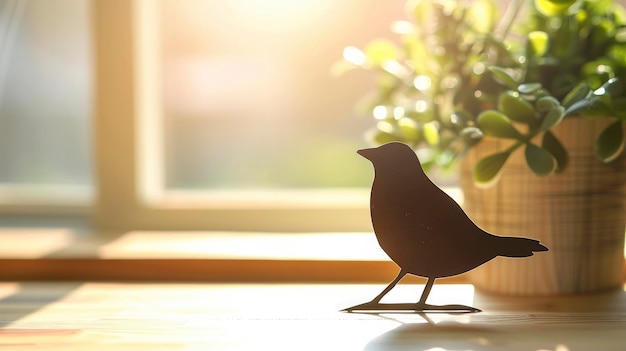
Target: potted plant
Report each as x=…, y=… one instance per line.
x=531, y=103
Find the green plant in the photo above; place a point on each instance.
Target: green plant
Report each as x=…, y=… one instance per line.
x=458, y=75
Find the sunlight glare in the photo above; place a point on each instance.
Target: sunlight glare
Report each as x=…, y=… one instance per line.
x=385, y=127
x=454, y=118
x=34, y=242
x=559, y=347
x=398, y=112
x=354, y=55
x=395, y=68
x=450, y=82
x=284, y=13
x=402, y=27
x=235, y=245
x=421, y=106
x=422, y=82
x=8, y=289
x=380, y=112
x=479, y=68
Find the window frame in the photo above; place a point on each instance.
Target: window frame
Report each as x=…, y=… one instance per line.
x=128, y=149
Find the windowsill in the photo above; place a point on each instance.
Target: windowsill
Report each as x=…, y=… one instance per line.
x=67, y=247
x=78, y=253
x=57, y=249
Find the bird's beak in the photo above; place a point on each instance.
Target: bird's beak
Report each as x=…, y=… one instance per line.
x=365, y=153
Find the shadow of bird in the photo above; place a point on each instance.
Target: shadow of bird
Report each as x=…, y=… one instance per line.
x=423, y=230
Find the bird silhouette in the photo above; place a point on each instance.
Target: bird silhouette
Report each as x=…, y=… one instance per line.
x=424, y=231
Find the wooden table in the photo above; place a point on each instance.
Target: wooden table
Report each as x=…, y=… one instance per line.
x=131, y=316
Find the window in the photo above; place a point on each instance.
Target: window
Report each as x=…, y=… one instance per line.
x=45, y=104
x=248, y=133
x=248, y=98
x=206, y=114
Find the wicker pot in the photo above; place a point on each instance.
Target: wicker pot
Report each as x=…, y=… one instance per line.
x=580, y=215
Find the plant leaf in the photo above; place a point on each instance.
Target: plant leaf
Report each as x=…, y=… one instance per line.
x=554, y=146
x=612, y=87
x=516, y=108
x=578, y=106
x=581, y=91
x=488, y=169
x=410, y=129
x=504, y=77
x=380, y=51
x=431, y=133
x=529, y=88
x=483, y=15
x=379, y=137
x=553, y=7
x=538, y=41
x=472, y=133
x=494, y=123
x=540, y=161
x=417, y=52
x=546, y=104
x=422, y=11
x=610, y=143
x=553, y=118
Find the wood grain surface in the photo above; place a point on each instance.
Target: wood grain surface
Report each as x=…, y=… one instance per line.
x=117, y=316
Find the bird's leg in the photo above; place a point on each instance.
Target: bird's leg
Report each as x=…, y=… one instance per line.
x=375, y=306
x=422, y=306
x=426, y=292
x=375, y=303
x=401, y=275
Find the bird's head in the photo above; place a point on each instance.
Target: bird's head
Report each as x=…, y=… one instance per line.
x=389, y=153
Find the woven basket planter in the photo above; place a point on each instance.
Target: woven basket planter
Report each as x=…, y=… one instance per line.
x=579, y=214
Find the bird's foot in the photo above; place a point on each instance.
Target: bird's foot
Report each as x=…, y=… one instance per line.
x=376, y=307
x=446, y=308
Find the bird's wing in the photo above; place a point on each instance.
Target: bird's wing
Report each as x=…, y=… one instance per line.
x=440, y=221
x=442, y=211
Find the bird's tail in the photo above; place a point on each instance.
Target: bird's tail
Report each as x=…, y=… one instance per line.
x=519, y=247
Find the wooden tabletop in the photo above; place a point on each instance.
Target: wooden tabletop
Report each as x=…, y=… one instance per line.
x=116, y=316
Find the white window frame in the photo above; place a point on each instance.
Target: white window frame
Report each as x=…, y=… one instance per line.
x=128, y=148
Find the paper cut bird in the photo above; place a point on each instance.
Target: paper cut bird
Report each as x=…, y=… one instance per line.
x=423, y=230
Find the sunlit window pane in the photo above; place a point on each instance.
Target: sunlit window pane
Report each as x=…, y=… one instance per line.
x=45, y=94
x=249, y=99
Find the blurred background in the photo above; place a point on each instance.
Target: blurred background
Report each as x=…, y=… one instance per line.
x=249, y=97
x=45, y=92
